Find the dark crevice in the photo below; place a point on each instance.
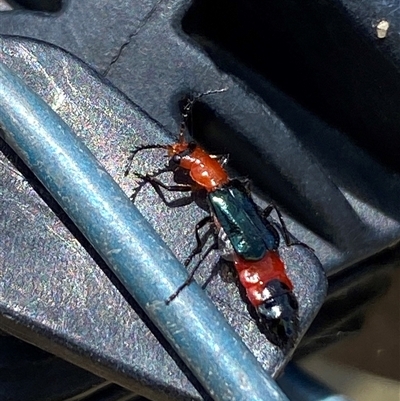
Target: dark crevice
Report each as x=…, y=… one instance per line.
x=313, y=53
x=49, y=6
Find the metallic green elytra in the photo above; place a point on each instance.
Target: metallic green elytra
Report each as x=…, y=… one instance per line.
x=250, y=235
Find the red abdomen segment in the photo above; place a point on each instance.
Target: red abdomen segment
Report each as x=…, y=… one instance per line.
x=204, y=169
x=255, y=275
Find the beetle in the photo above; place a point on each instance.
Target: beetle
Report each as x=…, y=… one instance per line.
x=242, y=231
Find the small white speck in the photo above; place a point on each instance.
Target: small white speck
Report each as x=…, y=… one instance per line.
x=382, y=29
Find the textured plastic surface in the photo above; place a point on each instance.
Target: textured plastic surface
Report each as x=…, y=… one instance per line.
x=74, y=322
x=327, y=183
x=130, y=246
x=327, y=56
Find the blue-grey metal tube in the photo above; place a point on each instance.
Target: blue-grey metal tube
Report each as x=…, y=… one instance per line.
x=129, y=245
x=300, y=386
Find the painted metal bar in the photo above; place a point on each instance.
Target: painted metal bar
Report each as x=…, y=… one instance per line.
x=301, y=386
x=130, y=246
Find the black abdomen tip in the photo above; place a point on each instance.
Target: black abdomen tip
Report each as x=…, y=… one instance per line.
x=279, y=315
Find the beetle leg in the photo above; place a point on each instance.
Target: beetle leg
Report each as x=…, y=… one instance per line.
x=191, y=275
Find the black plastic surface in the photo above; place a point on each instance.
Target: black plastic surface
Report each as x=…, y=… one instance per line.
x=73, y=309
x=311, y=113
x=305, y=161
